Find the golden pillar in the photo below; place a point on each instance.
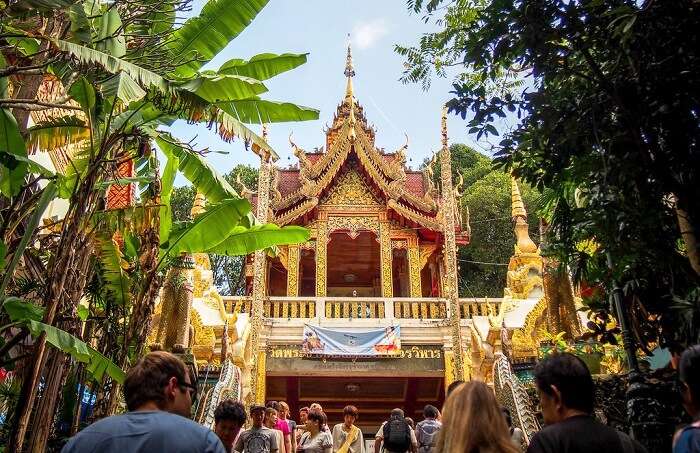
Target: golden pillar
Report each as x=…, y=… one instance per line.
x=293, y=271
x=321, y=251
x=414, y=268
x=386, y=259
x=257, y=372
x=450, y=255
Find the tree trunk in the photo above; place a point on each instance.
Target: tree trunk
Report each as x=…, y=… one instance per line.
x=64, y=289
x=58, y=367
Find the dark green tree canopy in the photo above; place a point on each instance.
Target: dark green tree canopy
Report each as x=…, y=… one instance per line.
x=603, y=99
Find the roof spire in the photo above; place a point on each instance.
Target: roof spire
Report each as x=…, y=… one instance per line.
x=523, y=242
x=349, y=73
x=443, y=123
x=517, y=205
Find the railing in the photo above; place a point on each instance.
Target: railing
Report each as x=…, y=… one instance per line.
x=420, y=309
x=363, y=307
x=468, y=308
x=289, y=307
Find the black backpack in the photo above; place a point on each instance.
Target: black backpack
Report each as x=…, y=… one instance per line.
x=397, y=435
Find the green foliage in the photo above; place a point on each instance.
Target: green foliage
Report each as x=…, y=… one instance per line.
x=263, y=66
x=29, y=315
x=254, y=110
x=129, y=71
x=242, y=240
x=227, y=270
x=606, y=128
x=200, y=38
x=487, y=195
x=12, y=171
x=208, y=229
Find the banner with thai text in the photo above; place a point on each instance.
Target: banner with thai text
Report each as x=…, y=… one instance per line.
x=345, y=343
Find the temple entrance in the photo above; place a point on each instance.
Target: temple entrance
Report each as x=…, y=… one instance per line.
x=353, y=265
x=376, y=385
x=307, y=273
x=375, y=397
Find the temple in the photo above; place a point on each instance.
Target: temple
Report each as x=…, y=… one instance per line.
x=382, y=255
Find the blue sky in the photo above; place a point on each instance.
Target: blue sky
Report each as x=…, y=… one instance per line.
x=321, y=28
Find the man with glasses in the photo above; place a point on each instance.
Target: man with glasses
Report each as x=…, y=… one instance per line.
x=159, y=395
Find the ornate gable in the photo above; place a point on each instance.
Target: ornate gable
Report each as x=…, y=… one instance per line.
x=350, y=189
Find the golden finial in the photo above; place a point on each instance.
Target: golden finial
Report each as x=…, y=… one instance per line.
x=198, y=205
x=523, y=243
x=518, y=207
x=443, y=123
x=349, y=73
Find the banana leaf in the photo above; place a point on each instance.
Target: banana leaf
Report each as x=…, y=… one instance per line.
x=263, y=66
x=222, y=87
x=113, y=65
x=243, y=241
x=200, y=38
x=261, y=111
x=59, y=132
x=12, y=171
x=209, y=228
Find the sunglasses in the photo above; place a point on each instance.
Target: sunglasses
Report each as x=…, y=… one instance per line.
x=192, y=389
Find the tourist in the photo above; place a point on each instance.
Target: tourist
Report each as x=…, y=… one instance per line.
x=301, y=427
x=229, y=418
x=472, y=422
x=257, y=438
x=314, y=439
x=411, y=423
x=283, y=414
x=453, y=386
x=395, y=435
x=428, y=429
x=316, y=406
x=516, y=434
x=270, y=422
x=565, y=388
x=687, y=440
x=347, y=438
x=282, y=426
x=159, y=395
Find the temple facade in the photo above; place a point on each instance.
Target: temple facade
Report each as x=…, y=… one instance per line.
x=382, y=255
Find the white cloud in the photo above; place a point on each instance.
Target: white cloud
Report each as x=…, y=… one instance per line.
x=365, y=34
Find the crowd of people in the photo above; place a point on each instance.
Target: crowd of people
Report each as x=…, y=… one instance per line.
x=159, y=395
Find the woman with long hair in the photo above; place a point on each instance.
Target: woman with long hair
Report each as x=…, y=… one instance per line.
x=315, y=439
x=472, y=422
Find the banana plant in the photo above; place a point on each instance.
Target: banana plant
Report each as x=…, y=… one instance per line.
x=127, y=75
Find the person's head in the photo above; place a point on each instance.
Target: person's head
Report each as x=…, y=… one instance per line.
x=430, y=411
x=161, y=379
x=303, y=413
x=506, y=414
x=410, y=422
x=257, y=415
x=689, y=374
x=315, y=420
x=396, y=413
x=472, y=421
x=229, y=417
x=350, y=414
x=565, y=387
x=283, y=410
x=273, y=404
x=270, y=417
x=316, y=406
x=453, y=386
